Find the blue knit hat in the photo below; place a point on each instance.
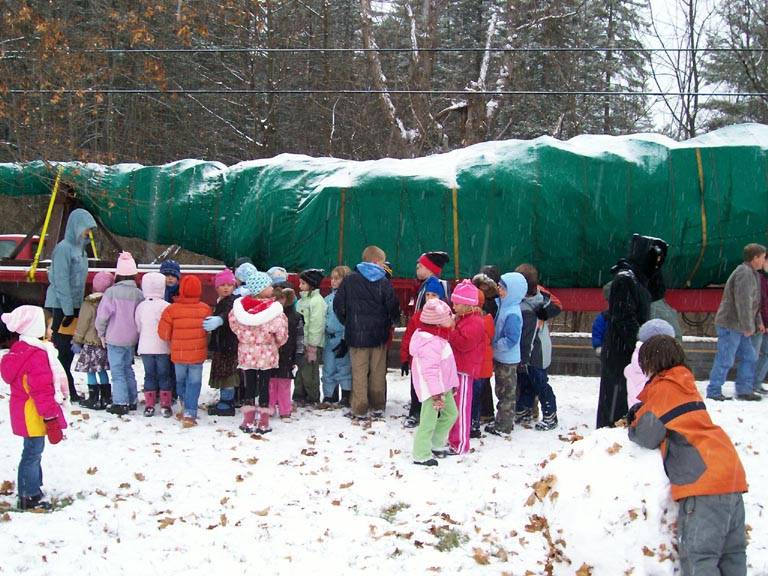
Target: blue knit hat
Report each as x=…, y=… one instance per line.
x=278, y=274
x=655, y=327
x=256, y=282
x=170, y=268
x=244, y=270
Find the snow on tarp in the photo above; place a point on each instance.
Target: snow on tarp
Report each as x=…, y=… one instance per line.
x=568, y=206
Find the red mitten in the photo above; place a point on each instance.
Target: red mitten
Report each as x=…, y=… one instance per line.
x=53, y=430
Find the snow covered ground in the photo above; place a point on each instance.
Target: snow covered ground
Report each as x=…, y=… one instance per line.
x=322, y=495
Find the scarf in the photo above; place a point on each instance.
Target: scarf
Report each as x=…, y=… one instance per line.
x=441, y=331
x=60, y=382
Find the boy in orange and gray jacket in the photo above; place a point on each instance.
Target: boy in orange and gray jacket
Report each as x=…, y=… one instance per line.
x=704, y=470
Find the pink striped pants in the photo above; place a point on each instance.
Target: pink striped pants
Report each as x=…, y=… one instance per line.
x=280, y=395
x=458, y=438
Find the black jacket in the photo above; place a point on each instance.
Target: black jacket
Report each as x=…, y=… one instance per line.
x=287, y=351
x=223, y=339
x=367, y=308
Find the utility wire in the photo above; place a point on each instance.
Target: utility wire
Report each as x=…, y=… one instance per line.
x=246, y=91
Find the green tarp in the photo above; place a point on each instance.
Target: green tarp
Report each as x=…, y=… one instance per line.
x=567, y=207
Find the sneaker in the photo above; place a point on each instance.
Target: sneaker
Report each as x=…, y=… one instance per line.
x=377, y=414
x=524, y=416
x=34, y=503
x=118, y=409
x=221, y=410
x=547, y=423
x=188, y=422
x=166, y=412
x=492, y=429
x=133, y=407
x=761, y=390
x=475, y=433
x=749, y=397
x=149, y=411
x=718, y=397
x=411, y=422
x=430, y=462
x=443, y=452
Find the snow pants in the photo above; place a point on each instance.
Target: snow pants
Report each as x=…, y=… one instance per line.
x=336, y=371
x=458, y=439
x=434, y=427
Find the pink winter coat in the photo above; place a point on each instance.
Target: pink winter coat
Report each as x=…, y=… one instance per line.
x=468, y=342
x=635, y=378
x=261, y=328
x=433, y=368
x=148, y=313
x=26, y=369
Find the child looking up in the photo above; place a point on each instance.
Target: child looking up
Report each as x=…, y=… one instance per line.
x=38, y=382
x=86, y=342
x=434, y=378
x=705, y=474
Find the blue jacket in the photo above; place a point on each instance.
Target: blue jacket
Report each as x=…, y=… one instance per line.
x=509, y=320
x=598, y=329
x=69, y=265
x=436, y=286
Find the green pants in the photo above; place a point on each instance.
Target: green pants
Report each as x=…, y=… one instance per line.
x=434, y=427
x=306, y=385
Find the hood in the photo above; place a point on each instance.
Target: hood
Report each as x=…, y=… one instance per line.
x=421, y=341
x=517, y=287
x=256, y=311
x=679, y=378
x=78, y=222
x=647, y=254
x=153, y=285
x=370, y=271
x=536, y=299
x=190, y=287
x=14, y=361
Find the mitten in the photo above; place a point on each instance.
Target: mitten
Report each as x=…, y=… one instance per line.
x=405, y=368
x=341, y=349
x=633, y=412
x=541, y=313
x=211, y=323
x=76, y=348
x=67, y=321
x=53, y=430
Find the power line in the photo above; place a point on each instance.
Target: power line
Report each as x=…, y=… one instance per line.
x=247, y=91
x=300, y=50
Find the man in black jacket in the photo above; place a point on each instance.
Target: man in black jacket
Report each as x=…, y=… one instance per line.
x=367, y=306
x=637, y=281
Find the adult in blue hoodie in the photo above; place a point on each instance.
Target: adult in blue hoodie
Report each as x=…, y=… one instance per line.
x=67, y=275
x=506, y=350
x=366, y=305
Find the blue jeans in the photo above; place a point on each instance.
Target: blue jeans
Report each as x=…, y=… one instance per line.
x=30, y=472
x=157, y=372
x=91, y=378
x=536, y=383
x=732, y=345
x=477, y=392
x=124, y=389
x=760, y=342
x=189, y=380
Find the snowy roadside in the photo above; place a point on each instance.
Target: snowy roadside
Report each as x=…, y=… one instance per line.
x=320, y=493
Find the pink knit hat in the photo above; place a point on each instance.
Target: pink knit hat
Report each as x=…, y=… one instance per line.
x=465, y=293
x=102, y=281
x=436, y=312
x=126, y=265
x=26, y=321
x=226, y=276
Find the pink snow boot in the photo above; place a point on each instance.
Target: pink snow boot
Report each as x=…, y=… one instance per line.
x=166, y=399
x=249, y=415
x=263, y=421
x=149, y=400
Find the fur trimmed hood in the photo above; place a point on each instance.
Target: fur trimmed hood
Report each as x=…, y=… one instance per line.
x=252, y=311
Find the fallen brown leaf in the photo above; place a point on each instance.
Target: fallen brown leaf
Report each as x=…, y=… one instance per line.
x=613, y=449
x=480, y=556
x=584, y=570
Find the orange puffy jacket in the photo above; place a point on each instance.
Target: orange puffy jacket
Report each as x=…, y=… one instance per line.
x=182, y=324
x=699, y=457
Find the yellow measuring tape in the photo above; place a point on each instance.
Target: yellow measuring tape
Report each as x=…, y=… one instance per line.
x=44, y=232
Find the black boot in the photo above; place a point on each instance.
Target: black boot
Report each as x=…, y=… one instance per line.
x=92, y=402
x=34, y=503
x=345, y=396
x=74, y=397
x=105, y=392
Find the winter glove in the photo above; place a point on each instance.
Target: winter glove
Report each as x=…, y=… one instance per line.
x=541, y=313
x=67, y=321
x=211, y=323
x=405, y=368
x=311, y=354
x=76, y=348
x=633, y=412
x=53, y=430
x=341, y=349
x=598, y=350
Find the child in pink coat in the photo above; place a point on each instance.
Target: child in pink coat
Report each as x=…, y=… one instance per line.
x=635, y=378
x=467, y=341
x=261, y=328
x=433, y=370
x=38, y=385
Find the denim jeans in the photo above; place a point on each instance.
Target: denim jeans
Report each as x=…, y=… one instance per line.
x=760, y=342
x=732, y=346
x=477, y=399
x=30, y=472
x=189, y=380
x=124, y=389
x=157, y=372
x=103, y=378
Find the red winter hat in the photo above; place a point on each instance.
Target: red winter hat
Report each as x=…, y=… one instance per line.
x=254, y=305
x=190, y=287
x=434, y=261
